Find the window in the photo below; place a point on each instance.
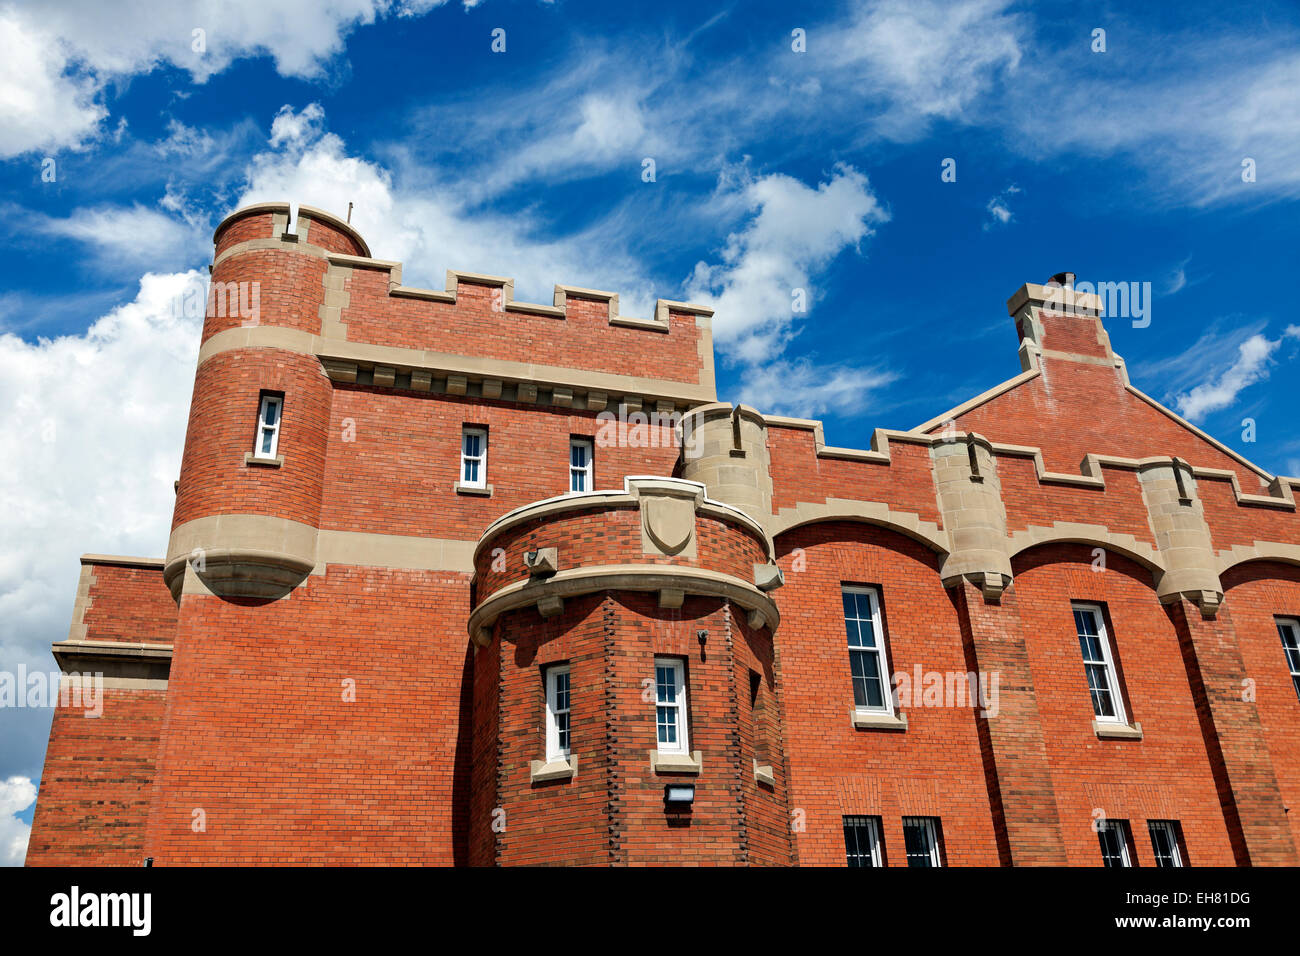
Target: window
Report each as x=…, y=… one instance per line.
x=921, y=839
x=1289, y=631
x=1103, y=682
x=862, y=841
x=580, y=464
x=473, y=458
x=557, y=713
x=670, y=705
x=867, y=661
x=268, y=426
x=1114, y=838
x=1165, y=842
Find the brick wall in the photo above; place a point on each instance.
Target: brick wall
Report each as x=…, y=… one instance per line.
x=94, y=797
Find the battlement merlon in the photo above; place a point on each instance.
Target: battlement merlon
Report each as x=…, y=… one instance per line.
x=307, y=228
x=370, y=322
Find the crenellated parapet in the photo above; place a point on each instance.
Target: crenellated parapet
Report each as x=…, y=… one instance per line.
x=993, y=501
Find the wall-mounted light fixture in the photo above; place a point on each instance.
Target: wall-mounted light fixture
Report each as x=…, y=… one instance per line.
x=702, y=636
x=679, y=796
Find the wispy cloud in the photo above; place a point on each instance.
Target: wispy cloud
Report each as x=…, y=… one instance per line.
x=764, y=279
x=130, y=236
x=59, y=55
x=806, y=389
x=999, y=208
x=1251, y=365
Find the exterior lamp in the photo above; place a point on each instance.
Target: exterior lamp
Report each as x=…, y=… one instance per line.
x=679, y=796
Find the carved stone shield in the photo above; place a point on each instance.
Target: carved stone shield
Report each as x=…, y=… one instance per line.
x=668, y=521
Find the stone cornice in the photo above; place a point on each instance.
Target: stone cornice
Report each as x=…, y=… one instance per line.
x=575, y=582
x=588, y=500
x=151, y=564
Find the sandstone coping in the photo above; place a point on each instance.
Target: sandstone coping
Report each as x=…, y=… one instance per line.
x=240, y=555
x=575, y=582
x=630, y=497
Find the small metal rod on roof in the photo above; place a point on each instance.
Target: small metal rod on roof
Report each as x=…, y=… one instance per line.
x=349, y=214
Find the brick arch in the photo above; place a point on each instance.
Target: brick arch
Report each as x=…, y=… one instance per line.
x=1262, y=553
x=859, y=512
x=1136, y=551
x=1069, y=550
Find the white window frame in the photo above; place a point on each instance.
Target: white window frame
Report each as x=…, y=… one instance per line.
x=927, y=825
x=677, y=704
x=1170, y=829
x=1107, y=661
x=481, y=458
x=1289, y=626
x=268, y=402
x=858, y=822
x=587, y=472
x=555, y=751
x=1121, y=828
x=880, y=651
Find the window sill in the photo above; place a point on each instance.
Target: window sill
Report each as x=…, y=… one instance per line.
x=873, y=720
x=251, y=459
x=1109, y=730
x=483, y=491
x=676, y=763
x=764, y=775
x=543, y=772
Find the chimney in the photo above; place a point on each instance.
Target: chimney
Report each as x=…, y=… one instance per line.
x=1056, y=319
x=1056, y=295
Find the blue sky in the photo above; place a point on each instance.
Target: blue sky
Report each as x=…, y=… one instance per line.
x=775, y=169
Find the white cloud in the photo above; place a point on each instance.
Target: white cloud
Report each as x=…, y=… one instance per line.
x=131, y=237
x=99, y=422
x=59, y=56
x=40, y=107
x=806, y=390
x=294, y=129
x=927, y=59
x=432, y=226
x=999, y=208
x=794, y=232
x=1250, y=366
x=1186, y=116
x=16, y=795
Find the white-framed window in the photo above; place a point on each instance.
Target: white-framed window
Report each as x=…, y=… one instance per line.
x=1289, y=631
x=1113, y=835
x=868, y=662
x=268, y=426
x=473, y=457
x=557, y=713
x=670, y=706
x=1099, y=663
x=921, y=840
x=580, y=464
x=862, y=841
x=1164, y=842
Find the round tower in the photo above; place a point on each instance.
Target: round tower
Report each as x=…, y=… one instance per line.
x=249, y=496
x=624, y=698
x=724, y=447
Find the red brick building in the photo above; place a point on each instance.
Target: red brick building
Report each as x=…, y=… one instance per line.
x=456, y=579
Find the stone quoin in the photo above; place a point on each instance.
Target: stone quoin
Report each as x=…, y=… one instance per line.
x=420, y=605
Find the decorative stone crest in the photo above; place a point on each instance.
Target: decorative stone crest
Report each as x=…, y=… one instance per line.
x=668, y=507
